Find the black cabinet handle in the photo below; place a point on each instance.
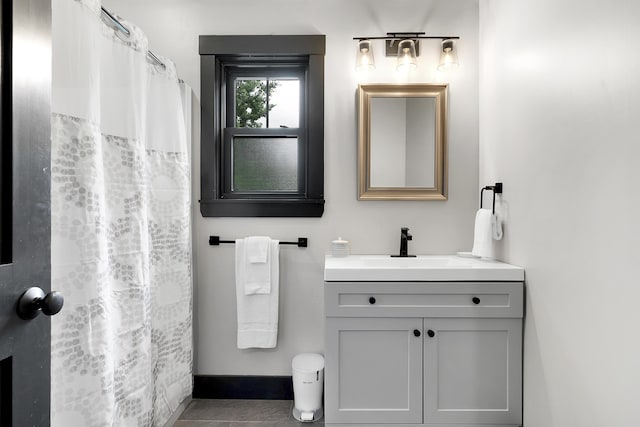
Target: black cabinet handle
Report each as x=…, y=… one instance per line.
x=416, y=332
x=372, y=300
x=431, y=333
x=475, y=300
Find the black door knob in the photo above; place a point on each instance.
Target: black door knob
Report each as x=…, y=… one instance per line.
x=431, y=333
x=416, y=332
x=372, y=300
x=33, y=301
x=475, y=300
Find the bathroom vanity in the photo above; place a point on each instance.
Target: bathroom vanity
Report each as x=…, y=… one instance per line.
x=426, y=341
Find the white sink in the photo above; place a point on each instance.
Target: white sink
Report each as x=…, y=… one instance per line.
x=427, y=268
x=422, y=261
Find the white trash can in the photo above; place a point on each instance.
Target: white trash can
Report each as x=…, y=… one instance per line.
x=308, y=379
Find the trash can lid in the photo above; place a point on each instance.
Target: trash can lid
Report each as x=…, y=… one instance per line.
x=307, y=362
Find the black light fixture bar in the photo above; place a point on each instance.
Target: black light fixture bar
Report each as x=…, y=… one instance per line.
x=406, y=47
x=391, y=39
x=403, y=36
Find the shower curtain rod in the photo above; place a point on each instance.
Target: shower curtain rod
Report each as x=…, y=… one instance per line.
x=117, y=25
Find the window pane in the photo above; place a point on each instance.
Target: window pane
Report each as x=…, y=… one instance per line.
x=284, y=103
x=283, y=99
x=251, y=103
x=265, y=164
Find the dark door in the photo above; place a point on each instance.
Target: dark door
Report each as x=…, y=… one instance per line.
x=25, y=76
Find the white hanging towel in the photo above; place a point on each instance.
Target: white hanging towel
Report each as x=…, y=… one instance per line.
x=483, y=234
x=257, y=311
x=254, y=254
x=496, y=226
x=257, y=249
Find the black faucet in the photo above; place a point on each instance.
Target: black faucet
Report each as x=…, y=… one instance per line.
x=404, y=239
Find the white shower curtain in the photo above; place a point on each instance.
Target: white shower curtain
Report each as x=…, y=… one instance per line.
x=120, y=212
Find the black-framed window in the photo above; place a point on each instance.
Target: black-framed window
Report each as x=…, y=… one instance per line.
x=262, y=141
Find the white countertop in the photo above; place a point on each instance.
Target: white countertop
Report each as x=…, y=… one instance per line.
x=423, y=268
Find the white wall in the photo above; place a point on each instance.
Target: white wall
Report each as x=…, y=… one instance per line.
x=372, y=227
x=559, y=125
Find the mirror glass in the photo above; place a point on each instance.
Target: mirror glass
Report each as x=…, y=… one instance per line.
x=402, y=142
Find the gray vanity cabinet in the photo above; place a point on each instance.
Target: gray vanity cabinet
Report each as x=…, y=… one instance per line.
x=472, y=371
x=377, y=372
x=423, y=353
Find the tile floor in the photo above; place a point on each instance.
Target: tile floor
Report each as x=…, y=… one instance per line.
x=240, y=413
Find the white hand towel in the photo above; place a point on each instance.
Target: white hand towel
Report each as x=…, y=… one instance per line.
x=496, y=226
x=257, y=248
x=258, y=313
x=482, y=234
x=255, y=276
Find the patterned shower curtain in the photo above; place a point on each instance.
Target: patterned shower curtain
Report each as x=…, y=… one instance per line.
x=120, y=212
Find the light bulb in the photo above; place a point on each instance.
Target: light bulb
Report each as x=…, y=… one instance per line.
x=364, y=57
x=406, y=55
x=448, y=57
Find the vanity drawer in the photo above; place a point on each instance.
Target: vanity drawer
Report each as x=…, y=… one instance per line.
x=424, y=299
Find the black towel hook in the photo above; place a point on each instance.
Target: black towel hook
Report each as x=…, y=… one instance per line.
x=497, y=189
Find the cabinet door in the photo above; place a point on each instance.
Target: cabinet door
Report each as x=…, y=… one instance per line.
x=373, y=370
x=473, y=371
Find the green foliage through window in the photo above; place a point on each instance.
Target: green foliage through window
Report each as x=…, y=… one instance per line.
x=252, y=97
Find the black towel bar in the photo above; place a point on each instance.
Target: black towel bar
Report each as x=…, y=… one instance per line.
x=301, y=243
x=497, y=189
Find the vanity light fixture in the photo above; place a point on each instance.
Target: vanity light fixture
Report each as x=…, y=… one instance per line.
x=364, y=58
x=407, y=58
x=405, y=46
x=448, y=56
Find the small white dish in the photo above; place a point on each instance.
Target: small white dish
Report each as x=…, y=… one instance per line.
x=466, y=255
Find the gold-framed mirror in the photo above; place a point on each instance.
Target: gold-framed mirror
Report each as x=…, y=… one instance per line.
x=402, y=144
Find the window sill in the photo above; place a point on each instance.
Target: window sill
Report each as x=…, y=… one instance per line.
x=262, y=208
